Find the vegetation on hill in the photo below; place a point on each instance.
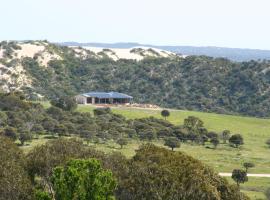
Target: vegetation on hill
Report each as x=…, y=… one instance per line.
x=192, y=83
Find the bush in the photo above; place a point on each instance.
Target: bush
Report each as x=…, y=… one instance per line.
x=65, y=103
x=122, y=142
x=83, y=179
x=236, y=140
x=171, y=175
x=172, y=142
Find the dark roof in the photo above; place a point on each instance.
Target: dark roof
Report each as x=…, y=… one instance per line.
x=106, y=95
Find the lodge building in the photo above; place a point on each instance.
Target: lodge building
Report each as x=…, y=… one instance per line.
x=103, y=98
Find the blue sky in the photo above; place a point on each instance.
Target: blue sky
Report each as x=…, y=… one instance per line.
x=227, y=23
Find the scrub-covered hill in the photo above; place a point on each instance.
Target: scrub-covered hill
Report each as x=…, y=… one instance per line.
x=45, y=70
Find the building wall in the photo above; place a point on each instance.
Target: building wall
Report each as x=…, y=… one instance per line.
x=80, y=99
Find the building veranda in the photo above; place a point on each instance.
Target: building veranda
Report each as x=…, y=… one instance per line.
x=103, y=98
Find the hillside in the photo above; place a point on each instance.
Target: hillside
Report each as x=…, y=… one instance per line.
x=44, y=71
x=236, y=54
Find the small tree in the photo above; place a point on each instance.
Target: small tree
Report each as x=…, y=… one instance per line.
x=11, y=133
x=65, y=103
x=236, y=140
x=122, y=142
x=248, y=165
x=172, y=142
x=42, y=195
x=215, y=142
x=165, y=113
x=23, y=137
x=239, y=176
x=225, y=135
x=83, y=179
x=204, y=139
x=268, y=142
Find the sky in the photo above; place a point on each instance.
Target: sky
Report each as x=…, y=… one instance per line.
x=224, y=23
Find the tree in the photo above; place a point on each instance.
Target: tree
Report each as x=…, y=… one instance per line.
x=225, y=135
x=165, y=113
x=147, y=134
x=193, y=124
x=14, y=181
x=248, y=165
x=42, y=195
x=61, y=129
x=267, y=193
x=170, y=175
x=83, y=179
x=3, y=119
x=239, y=176
x=10, y=132
x=42, y=159
x=212, y=135
x=122, y=142
x=268, y=142
x=215, y=142
x=25, y=136
x=65, y=103
x=172, y=142
x=236, y=140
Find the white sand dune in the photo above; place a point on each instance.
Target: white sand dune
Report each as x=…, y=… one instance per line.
x=136, y=53
x=29, y=50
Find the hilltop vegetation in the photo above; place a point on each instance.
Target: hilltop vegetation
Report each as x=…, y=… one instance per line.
x=192, y=83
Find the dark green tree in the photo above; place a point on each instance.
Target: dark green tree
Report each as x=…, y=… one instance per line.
x=165, y=114
x=10, y=132
x=83, y=179
x=215, y=142
x=248, y=165
x=122, y=142
x=236, y=140
x=239, y=176
x=172, y=142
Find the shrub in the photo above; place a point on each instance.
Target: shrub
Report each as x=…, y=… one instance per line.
x=236, y=140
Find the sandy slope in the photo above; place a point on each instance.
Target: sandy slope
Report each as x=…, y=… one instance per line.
x=141, y=52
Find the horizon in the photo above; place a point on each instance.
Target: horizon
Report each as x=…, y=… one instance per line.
x=227, y=24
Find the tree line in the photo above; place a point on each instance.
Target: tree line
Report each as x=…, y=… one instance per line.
x=22, y=120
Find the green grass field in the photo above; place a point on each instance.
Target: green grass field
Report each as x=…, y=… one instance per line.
x=223, y=159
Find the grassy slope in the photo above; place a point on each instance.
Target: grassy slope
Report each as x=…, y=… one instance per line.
x=255, y=131
x=224, y=159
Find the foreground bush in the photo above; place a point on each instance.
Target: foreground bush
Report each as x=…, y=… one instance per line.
x=83, y=180
x=156, y=173
x=14, y=181
x=153, y=173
